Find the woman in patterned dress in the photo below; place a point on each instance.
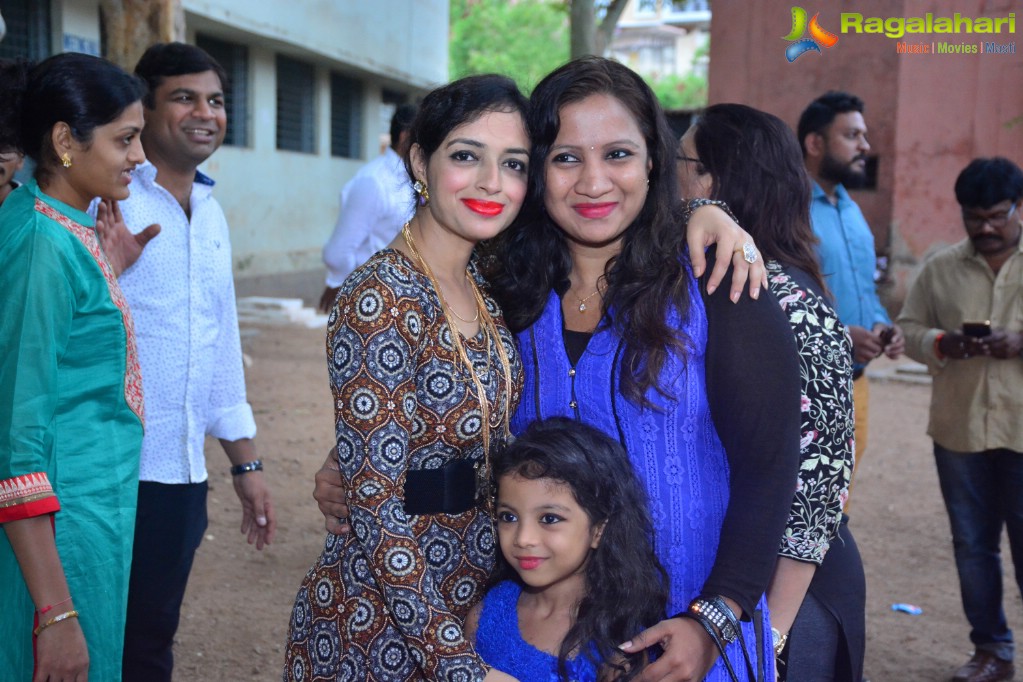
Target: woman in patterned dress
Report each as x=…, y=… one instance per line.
x=70, y=389
x=752, y=161
x=424, y=375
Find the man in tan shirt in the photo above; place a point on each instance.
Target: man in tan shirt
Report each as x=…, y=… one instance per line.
x=963, y=317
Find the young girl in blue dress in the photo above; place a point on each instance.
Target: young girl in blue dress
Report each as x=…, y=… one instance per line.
x=581, y=574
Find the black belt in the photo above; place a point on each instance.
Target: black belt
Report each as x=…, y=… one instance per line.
x=451, y=489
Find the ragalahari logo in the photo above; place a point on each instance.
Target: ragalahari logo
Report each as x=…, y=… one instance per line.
x=818, y=36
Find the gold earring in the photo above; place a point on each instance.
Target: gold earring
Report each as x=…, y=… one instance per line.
x=65, y=160
x=424, y=193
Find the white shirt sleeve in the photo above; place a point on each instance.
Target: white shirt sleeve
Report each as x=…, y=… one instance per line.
x=363, y=203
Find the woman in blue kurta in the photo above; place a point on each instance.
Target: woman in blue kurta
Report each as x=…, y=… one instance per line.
x=703, y=394
x=70, y=388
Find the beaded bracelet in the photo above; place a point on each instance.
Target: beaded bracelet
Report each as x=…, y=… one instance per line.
x=56, y=619
x=254, y=465
x=693, y=204
x=716, y=615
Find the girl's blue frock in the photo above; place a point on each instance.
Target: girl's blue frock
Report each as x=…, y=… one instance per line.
x=499, y=643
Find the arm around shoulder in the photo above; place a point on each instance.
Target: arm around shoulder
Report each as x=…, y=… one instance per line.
x=753, y=385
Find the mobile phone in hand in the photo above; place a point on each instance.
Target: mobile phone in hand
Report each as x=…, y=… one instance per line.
x=977, y=330
x=886, y=336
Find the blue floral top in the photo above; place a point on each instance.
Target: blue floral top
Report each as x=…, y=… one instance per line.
x=501, y=645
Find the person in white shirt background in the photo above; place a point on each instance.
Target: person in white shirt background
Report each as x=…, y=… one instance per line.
x=181, y=293
x=374, y=205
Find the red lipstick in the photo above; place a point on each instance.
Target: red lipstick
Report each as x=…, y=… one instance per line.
x=487, y=208
x=528, y=563
x=595, y=211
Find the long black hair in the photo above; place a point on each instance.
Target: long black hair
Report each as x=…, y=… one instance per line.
x=626, y=586
x=650, y=275
x=756, y=167
x=83, y=91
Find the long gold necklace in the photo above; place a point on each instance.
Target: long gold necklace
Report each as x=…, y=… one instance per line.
x=484, y=490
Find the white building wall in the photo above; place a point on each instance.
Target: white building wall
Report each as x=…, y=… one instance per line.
x=282, y=205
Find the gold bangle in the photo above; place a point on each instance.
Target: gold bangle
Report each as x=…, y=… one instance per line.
x=56, y=619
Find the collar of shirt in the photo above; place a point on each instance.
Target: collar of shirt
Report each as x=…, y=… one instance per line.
x=841, y=194
x=202, y=185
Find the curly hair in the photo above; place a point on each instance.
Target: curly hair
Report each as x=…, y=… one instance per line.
x=649, y=277
x=757, y=169
x=626, y=586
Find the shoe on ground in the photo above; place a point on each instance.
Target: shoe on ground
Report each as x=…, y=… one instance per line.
x=985, y=667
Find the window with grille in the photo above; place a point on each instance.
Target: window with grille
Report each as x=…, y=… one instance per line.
x=235, y=60
x=296, y=105
x=345, y=116
x=28, y=30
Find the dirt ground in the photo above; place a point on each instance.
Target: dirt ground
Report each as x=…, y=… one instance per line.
x=238, y=603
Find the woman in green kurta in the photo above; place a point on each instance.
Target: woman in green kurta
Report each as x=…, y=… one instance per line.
x=70, y=389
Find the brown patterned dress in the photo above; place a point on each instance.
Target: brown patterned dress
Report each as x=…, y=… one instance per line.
x=386, y=602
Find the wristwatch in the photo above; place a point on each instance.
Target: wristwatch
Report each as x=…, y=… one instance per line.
x=779, y=641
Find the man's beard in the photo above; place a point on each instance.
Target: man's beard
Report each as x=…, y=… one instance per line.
x=846, y=174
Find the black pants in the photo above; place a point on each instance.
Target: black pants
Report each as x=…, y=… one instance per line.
x=169, y=526
x=826, y=643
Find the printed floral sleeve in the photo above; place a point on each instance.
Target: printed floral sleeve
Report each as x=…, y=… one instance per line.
x=374, y=344
x=826, y=432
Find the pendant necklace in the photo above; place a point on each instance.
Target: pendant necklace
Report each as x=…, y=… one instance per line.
x=582, y=301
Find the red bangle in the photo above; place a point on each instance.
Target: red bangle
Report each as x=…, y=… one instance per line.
x=937, y=346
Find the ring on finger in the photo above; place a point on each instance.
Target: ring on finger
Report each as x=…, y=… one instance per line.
x=749, y=252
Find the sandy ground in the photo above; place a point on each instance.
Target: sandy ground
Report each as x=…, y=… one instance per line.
x=238, y=603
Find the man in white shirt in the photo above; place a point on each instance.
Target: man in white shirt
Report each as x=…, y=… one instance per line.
x=374, y=205
x=181, y=293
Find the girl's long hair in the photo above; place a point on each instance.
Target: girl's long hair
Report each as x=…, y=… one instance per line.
x=756, y=167
x=626, y=586
x=649, y=277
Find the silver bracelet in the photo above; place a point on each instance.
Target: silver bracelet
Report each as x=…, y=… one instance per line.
x=717, y=617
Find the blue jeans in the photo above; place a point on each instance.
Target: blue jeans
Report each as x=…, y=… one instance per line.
x=983, y=492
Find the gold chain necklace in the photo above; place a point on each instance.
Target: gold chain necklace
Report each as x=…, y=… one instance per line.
x=484, y=488
x=452, y=308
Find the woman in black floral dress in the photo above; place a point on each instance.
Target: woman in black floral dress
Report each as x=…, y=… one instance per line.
x=752, y=161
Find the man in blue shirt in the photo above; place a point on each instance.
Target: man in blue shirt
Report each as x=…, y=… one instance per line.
x=833, y=136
